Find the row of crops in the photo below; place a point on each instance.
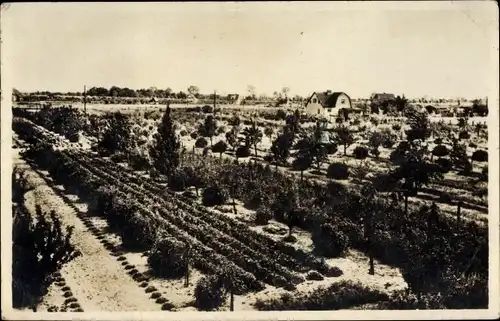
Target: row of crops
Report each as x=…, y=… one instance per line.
x=214, y=241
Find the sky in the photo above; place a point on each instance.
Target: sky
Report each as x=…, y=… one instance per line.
x=439, y=49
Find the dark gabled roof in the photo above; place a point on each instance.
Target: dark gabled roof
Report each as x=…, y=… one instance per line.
x=328, y=99
x=384, y=96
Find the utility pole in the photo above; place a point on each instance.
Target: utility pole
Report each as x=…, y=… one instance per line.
x=215, y=100
x=85, y=100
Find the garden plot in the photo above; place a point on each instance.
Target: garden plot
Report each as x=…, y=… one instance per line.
x=96, y=280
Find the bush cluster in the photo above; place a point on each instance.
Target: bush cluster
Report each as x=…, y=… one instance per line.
x=168, y=257
x=41, y=246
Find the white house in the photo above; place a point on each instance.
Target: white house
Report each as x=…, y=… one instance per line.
x=327, y=104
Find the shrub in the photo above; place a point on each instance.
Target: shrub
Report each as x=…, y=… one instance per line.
x=214, y=195
x=167, y=306
x=341, y=295
x=201, y=143
x=221, y=130
x=166, y=257
x=407, y=300
x=220, y=147
x=194, y=135
x=444, y=164
x=183, y=133
x=263, y=215
x=256, y=198
x=150, y=289
x=243, y=152
x=34, y=238
x=338, y=171
x=207, y=109
x=440, y=151
x=135, y=230
x=465, y=167
x=480, y=156
x=234, y=121
x=360, y=152
x=281, y=114
x=177, y=181
x=397, y=157
x=301, y=163
x=268, y=158
x=331, y=149
x=334, y=272
x=138, y=161
x=403, y=146
x=463, y=135
x=209, y=294
x=314, y=276
x=329, y=241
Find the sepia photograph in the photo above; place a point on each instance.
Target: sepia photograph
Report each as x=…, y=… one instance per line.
x=281, y=160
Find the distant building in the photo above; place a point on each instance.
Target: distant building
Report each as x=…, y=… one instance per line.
x=191, y=98
x=234, y=99
x=327, y=104
x=379, y=98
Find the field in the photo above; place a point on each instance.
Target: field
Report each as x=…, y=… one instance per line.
x=257, y=208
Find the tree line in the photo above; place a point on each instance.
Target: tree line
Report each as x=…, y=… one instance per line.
x=125, y=92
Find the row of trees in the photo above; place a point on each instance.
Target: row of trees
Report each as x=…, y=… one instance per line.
x=399, y=105
x=151, y=92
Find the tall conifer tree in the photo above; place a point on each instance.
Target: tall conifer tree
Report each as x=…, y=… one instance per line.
x=165, y=153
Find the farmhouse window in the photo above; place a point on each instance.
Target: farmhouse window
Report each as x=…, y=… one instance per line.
x=314, y=100
x=319, y=111
x=343, y=101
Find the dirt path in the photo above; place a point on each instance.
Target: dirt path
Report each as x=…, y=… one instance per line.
x=96, y=279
